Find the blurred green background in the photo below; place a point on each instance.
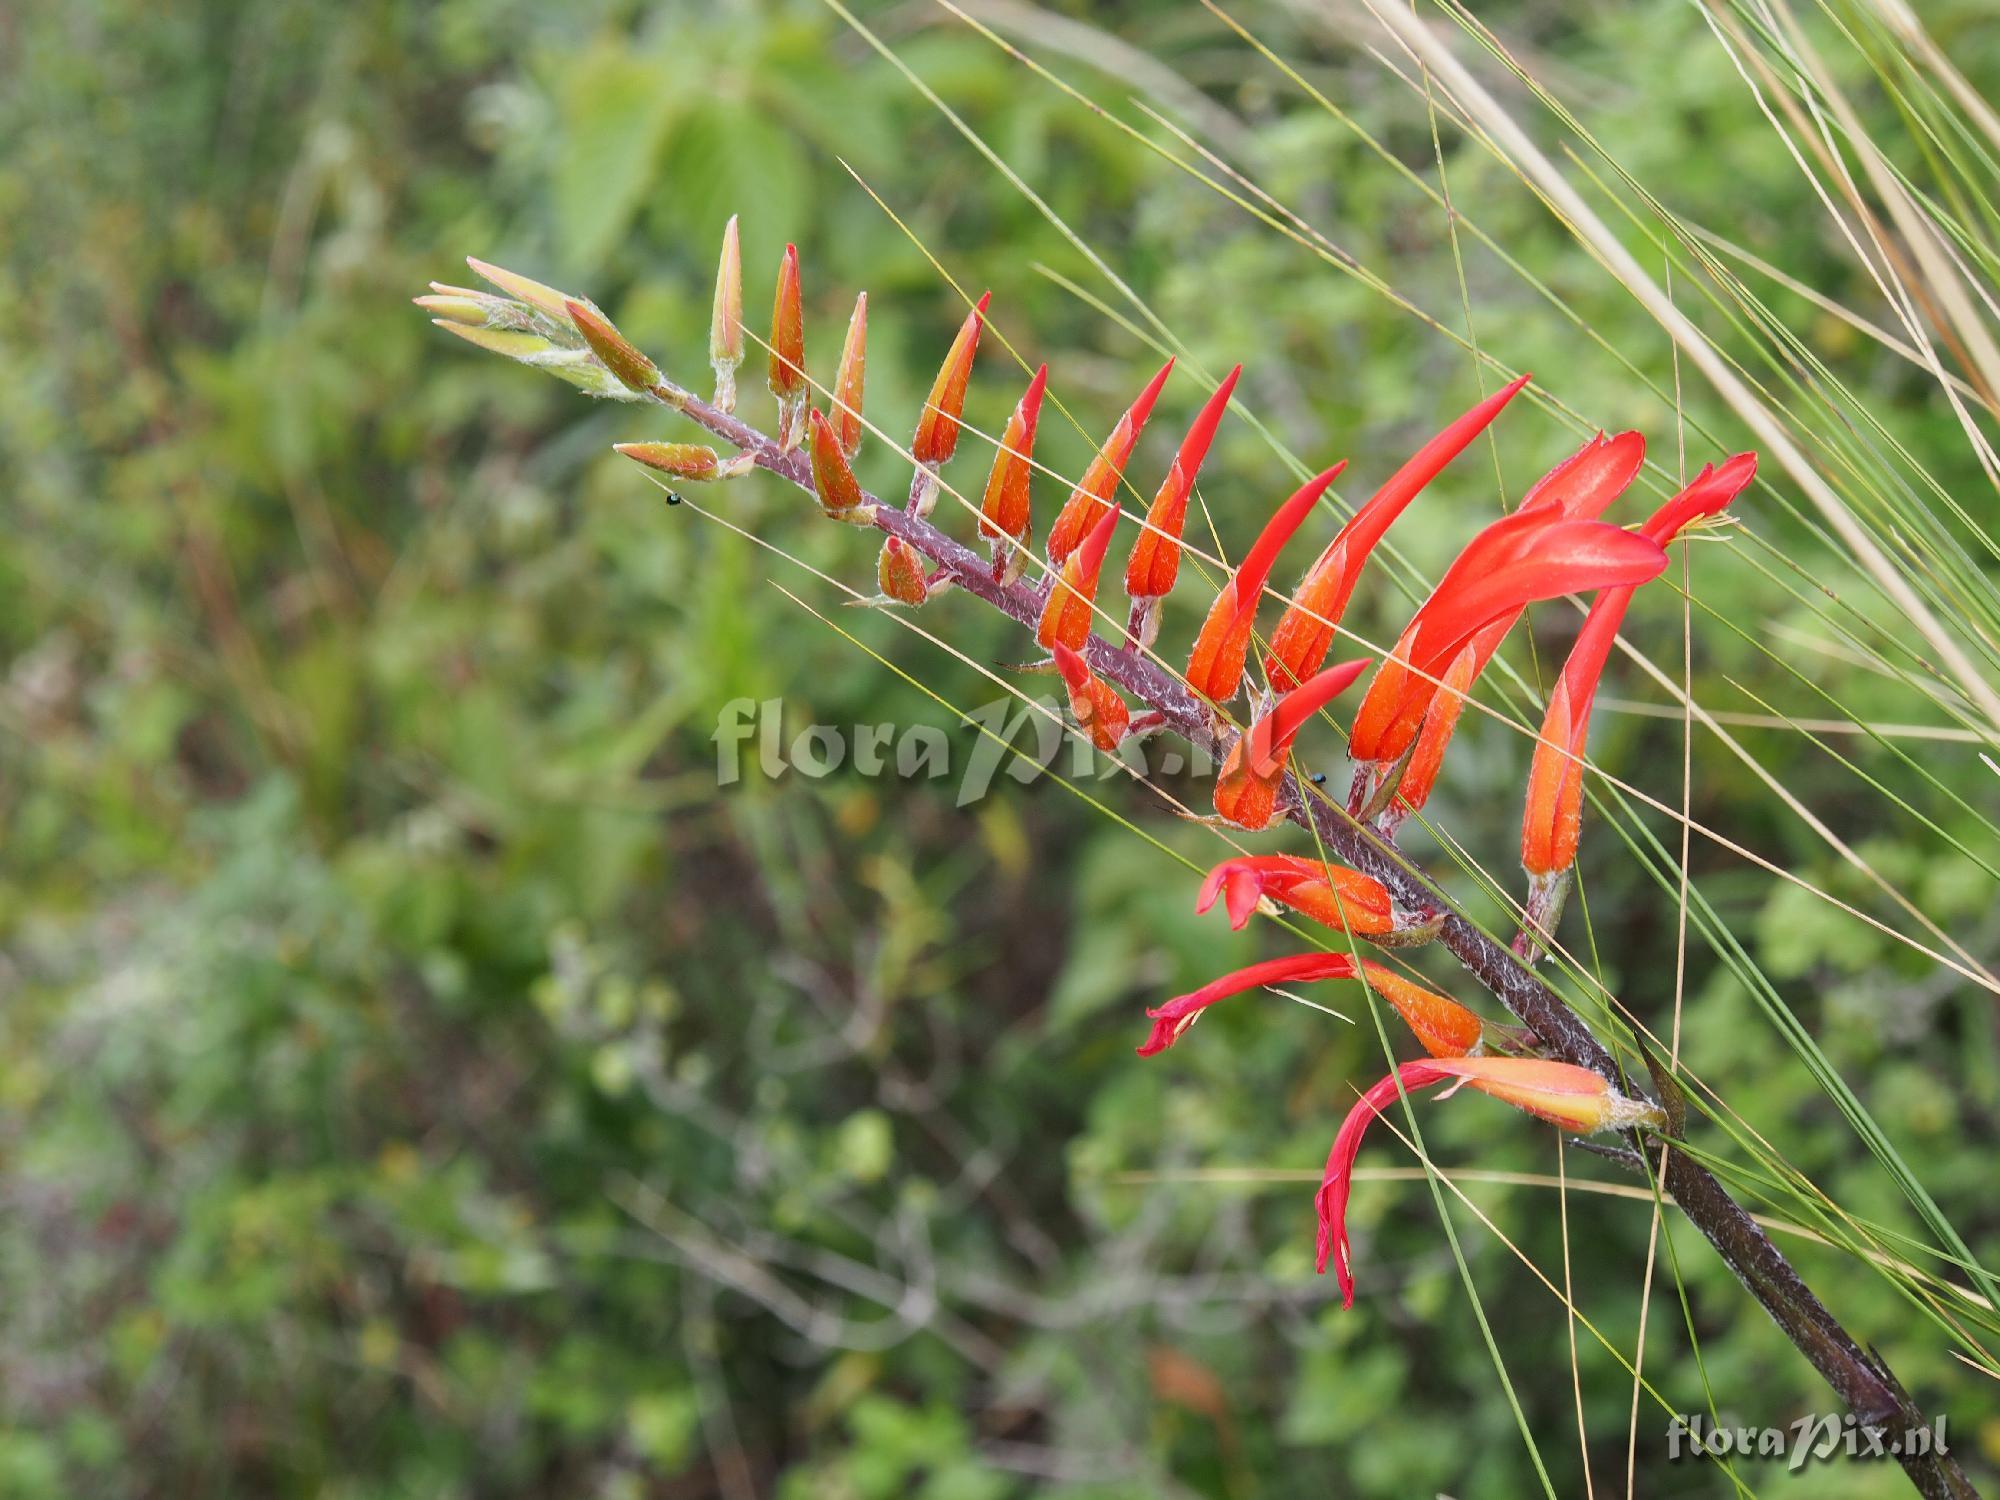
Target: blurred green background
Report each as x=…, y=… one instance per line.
x=419, y=1078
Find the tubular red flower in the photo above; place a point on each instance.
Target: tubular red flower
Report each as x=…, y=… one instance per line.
x=1156, y=556
x=1066, y=615
x=1563, y=1095
x=1577, y=489
x=1004, y=514
x=1246, y=791
x=1092, y=496
x=1215, y=667
x=1179, y=1013
x=787, y=376
x=1552, y=819
x=1305, y=634
x=1098, y=710
x=850, y=379
x=937, y=429
x=1527, y=556
x=1330, y=894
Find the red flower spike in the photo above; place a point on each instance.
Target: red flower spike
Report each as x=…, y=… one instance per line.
x=1092, y=495
x=1156, y=556
x=1215, y=667
x=1246, y=792
x=725, y=324
x=1442, y=1025
x=850, y=378
x=1098, y=710
x=937, y=429
x=787, y=377
x=1554, y=812
x=1005, y=518
x=1513, y=562
x=1330, y=894
x=1305, y=634
x=899, y=572
x=1066, y=616
x=1174, y=1018
x=833, y=479
x=1563, y=1095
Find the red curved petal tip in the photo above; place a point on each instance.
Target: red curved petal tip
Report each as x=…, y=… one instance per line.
x=1096, y=544
x=1179, y=1013
x=1075, y=675
x=1586, y=482
x=1142, y=408
x=1302, y=702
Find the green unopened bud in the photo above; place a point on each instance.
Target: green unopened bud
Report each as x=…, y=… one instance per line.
x=546, y=298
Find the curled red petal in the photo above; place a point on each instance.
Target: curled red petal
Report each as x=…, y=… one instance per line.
x=1179, y=1013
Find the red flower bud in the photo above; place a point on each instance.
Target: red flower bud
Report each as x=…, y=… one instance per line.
x=1098, y=710
x=1092, y=495
x=1004, y=515
x=1156, y=556
x=1066, y=615
x=1246, y=792
x=850, y=378
x=787, y=377
x=937, y=429
x=1215, y=668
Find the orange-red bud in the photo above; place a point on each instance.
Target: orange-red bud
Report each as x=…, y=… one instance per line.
x=1005, y=516
x=937, y=429
x=787, y=377
x=899, y=571
x=840, y=494
x=1246, y=791
x=1093, y=493
x=1156, y=556
x=1215, y=667
x=1098, y=710
x=1066, y=615
x=850, y=378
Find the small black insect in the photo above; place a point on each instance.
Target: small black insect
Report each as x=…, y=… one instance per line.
x=673, y=497
x=1319, y=778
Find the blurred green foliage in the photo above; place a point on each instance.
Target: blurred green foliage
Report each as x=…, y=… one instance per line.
x=420, y=1079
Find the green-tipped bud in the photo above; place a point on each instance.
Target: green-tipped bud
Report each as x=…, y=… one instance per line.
x=452, y=309
x=725, y=328
x=529, y=348
x=546, y=299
